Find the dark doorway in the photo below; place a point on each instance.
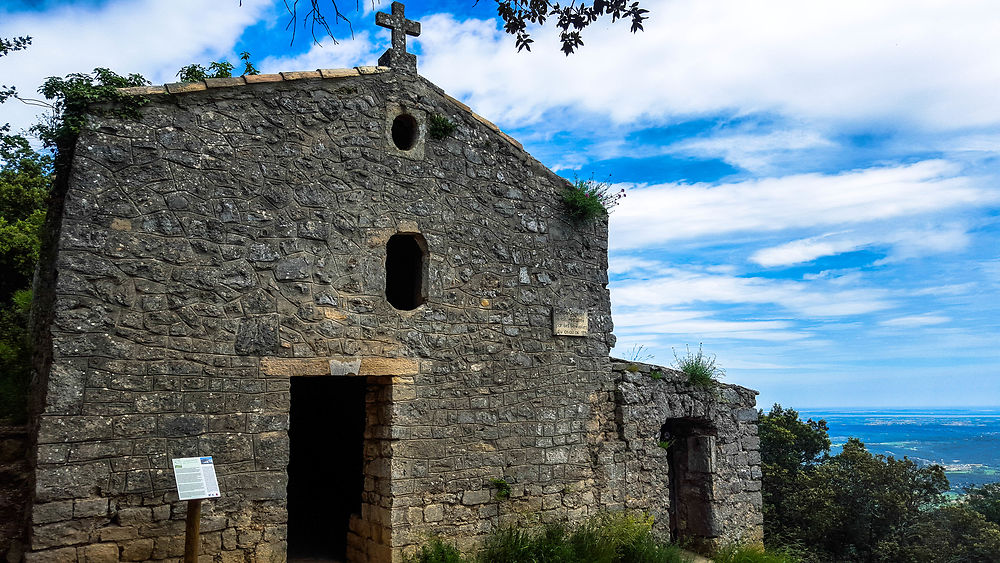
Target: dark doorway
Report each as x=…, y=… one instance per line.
x=325, y=465
x=405, y=267
x=691, y=458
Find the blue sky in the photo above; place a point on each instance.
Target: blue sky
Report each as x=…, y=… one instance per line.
x=812, y=186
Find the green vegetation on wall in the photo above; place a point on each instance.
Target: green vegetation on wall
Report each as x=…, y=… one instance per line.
x=587, y=200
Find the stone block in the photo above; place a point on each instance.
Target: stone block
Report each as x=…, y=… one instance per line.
x=68, y=481
x=433, y=513
x=118, y=533
x=91, y=507
x=137, y=550
x=49, y=512
x=225, y=82
x=161, y=512
x=51, y=556
x=59, y=534
x=301, y=74
x=164, y=547
x=185, y=87
x=135, y=516
x=476, y=497
x=143, y=90
x=288, y=367
x=338, y=72
x=389, y=366
x=262, y=78
x=98, y=553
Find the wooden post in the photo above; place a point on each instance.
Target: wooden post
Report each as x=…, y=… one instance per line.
x=192, y=533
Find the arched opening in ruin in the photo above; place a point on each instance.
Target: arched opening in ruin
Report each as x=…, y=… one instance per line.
x=406, y=271
x=404, y=131
x=691, y=458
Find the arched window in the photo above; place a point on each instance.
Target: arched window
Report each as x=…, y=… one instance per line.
x=406, y=271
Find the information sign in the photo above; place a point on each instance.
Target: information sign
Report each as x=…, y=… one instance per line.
x=195, y=478
x=569, y=322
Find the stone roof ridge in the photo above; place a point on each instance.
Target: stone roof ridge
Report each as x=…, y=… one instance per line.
x=322, y=73
x=200, y=85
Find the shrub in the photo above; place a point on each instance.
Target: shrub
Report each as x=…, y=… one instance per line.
x=436, y=550
x=751, y=553
x=698, y=367
x=439, y=127
x=586, y=199
x=620, y=537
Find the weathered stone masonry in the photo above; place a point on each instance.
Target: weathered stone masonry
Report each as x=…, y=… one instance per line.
x=235, y=238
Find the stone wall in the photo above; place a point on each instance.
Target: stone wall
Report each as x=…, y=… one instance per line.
x=687, y=454
x=235, y=237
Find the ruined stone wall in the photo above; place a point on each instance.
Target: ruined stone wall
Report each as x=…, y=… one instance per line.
x=235, y=237
x=709, y=494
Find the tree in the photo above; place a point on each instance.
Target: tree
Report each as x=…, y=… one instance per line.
x=9, y=46
x=863, y=499
x=788, y=446
x=25, y=177
x=571, y=18
x=985, y=500
x=856, y=506
x=947, y=534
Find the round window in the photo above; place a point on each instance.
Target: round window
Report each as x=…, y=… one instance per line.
x=404, y=132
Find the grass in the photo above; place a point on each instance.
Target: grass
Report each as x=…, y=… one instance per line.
x=638, y=353
x=699, y=367
x=751, y=553
x=619, y=537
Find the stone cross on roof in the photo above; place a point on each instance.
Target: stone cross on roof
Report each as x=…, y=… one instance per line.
x=397, y=58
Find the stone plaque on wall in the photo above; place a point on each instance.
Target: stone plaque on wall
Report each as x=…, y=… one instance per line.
x=569, y=322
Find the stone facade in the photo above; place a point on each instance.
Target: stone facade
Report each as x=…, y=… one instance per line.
x=237, y=241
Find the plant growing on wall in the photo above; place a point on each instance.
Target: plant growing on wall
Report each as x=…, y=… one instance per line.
x=79, y=93
x=218, y=69
x=439, y=127
x=588, y=199
x=699, y=367
x=502, y=487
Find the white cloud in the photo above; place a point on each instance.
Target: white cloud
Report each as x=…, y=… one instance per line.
x=664, y=325
x=618, y=264
x=675, y=287
x=752, y=152
x=905, y=244
x=346, y=54
x=797, y=201
x=149, y=37
x=803, y=250
x=914, y=321
x=922, y=62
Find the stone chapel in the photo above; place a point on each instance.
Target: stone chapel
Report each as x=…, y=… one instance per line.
x=377, y=330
